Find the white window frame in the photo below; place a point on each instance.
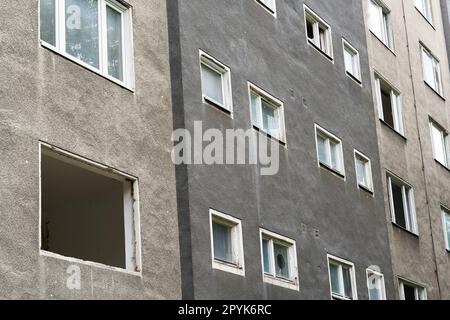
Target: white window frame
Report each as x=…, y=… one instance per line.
x=271, y=278
x=368, y=171
x=437, y=85
x=444, y=142
x=409, y=208
x=132, y=213
x=346, y=46
x=384, y=18
x=445, y=212
x=419, y=289
x=127, y=41
x=275, y=103
x=396, y=103
x=382, y=282
x=340, y=262
x=225, y=72
x=317, y=22
x=325, y=134
x=238, y=266
x=425, y=7
x=271, y=8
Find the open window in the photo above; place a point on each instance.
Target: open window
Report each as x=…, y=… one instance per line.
x=376, y=285
x=389, y=104
x=431, y=70
x=318, y=33
x=410, y=290
x=379, y=21
x=329, y=151
x=89, y=211
x=425, y=8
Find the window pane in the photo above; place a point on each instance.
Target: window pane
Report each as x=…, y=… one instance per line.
x=323, y=39
x=266, y=258
x=438, y=144
x=409, y=292
x=375, y=286
x=212, y=84
x=388, y=113
x=222, y=242
x=114, y=26
x=47, y=22
x=322, y=149
x=310, y=29
x=270, y=119
x=361, y=171
x=334, y=148
x=254, y=104
x=82, y=40
x=348, y=59
x=375, y=23
x=428, y=69
x=346, y=275
x=447, y=228
x=398, y=205
x=281, y=261
x=334, y=279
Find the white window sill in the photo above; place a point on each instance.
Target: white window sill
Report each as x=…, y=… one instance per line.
x=49, y=254
x=323, y=53
x=335, y=172
x=338, y=297
x=86, y=66
x=391, y=49
x=225, y=109
x=288, y=284
x=228, y=267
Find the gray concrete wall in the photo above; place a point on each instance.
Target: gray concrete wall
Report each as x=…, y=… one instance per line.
x=45, y=97
x=422, y=259
x=322, y=212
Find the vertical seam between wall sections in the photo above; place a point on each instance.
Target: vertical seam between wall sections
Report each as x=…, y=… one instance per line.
x=421, y=150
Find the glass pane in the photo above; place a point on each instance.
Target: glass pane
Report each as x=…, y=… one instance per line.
x=222, y=242
x=439, y=144
x=281, y=261
x=334, y=279
x=322, y=149
x=447, y=228
x=310, y=30
x=47, y=22
x=254, y=105
x=428, y=69
x=334, y=148
x=398, y=205
x=270, y=119
x=266, y=258
x=375, y=286
x=375, y=23
x=361, y=171
x=82, y=39
x=212, y=84
x=388, y=113
x=348, y=59
x=409, y=292
x=114, y=27
x=347, y=282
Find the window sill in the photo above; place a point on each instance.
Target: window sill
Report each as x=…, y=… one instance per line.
x=434, y=90
x=326, y=55
x=365, y=189
x=333, y=171
x=383, y=43
x=442, y=165
x=415, y=235
x=269, y=136
x=86, y=66
x=355, y=79
x=340, y=298
x=272, y=12
x=45, y=253
x=393, y=130
x=288, y=284
x=228, y=267
x=426, y=19
x=217, y=106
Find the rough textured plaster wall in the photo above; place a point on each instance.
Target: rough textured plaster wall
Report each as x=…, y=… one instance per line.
x=46, y=97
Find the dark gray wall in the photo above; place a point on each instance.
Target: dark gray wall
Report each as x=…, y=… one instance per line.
x=322, y=212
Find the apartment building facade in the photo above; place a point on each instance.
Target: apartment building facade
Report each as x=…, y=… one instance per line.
x=296, y=74
x=88, y=200
x=410, y=76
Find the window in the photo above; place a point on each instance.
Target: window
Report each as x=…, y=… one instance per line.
x=227, y=246
x=329, y=150
x=424, y=6
x=88, y=211
x=216, y=83
x=431, y=70
x=446, y=227
x=94, y=33
x=411, y=291
x=389, y=105
x=439, y=139
x=363, y=171
x=351, y=60
x=318, y=33
x=267, y=113
x=401, y=199
x=269, y=5
x=279, y=260
x=375, y=284
x=342, y=279
x=379, y=22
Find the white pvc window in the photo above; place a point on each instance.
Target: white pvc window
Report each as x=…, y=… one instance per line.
x=424, y=6
x=216, y=82
x=226, y=243
x=318, y=32
x=376, y=285
x=269, y=5
x=379, y=21
x=329, y=150
x=446, y=227
x=411, y=291
x=342, y=279
x=440, y=144
x=363, y=171
x=279, y=260
x=401, y=199
x=389, y=105
x=431, y=70
x=94, y=33
x=267, y=113
x=351, y=61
